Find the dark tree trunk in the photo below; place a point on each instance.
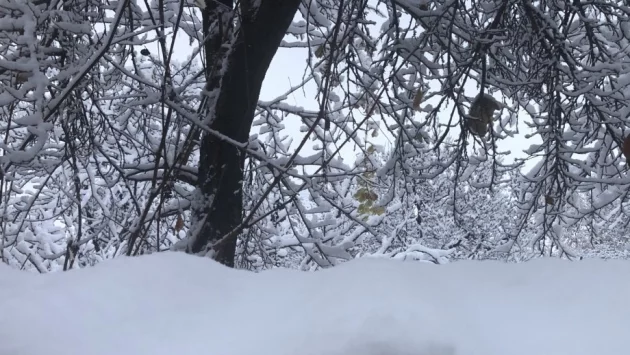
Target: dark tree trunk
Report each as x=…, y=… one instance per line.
x=219, y=208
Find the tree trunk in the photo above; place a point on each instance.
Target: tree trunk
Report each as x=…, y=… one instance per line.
x=218, y=208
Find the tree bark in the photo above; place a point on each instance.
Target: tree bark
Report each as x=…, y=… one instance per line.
x=219, y=207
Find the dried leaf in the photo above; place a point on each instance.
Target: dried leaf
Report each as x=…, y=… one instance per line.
x=417, y=100
x=625, y=149
x=180, y=223
x=482, y=114
x=319, y=52
x=549, y=200
x=368, y=174
x=22, y=77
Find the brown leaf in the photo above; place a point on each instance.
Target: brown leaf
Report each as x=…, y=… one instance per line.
x=417, y=100
x=549, y=200
x=22, y=77
x=625, y=149
x=482, y=114
x=320, y=51
x=180, y=223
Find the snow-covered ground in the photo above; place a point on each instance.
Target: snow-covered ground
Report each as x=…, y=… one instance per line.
x=172, y=303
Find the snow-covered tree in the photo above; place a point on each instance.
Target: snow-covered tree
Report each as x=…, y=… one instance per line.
x=115, y=141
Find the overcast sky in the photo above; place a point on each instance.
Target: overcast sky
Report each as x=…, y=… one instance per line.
x=287, y=68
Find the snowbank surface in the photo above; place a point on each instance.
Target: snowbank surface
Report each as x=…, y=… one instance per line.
x=172, y=303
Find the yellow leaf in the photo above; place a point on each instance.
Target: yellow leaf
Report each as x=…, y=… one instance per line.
x=361, y=194
x=362, y=209
x=378, y=210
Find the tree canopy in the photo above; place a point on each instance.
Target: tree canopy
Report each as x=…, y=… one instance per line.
x=131, y=127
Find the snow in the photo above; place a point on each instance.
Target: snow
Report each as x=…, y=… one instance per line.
x=173, y=303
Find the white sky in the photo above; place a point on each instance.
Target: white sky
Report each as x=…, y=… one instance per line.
x=287, y=68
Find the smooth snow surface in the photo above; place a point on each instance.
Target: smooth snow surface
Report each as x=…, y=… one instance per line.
x=176, y=304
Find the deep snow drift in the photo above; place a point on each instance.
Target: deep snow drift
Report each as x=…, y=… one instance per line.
x=172, y=303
